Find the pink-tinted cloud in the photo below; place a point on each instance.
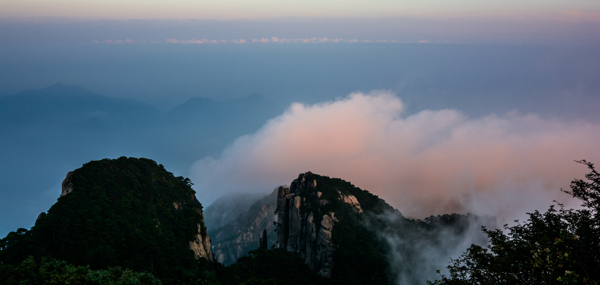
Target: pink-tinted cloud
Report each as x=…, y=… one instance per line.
x=310, y=40
x=432, y=162
x=263, y=40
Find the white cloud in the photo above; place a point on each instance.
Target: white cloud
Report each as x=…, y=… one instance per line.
x=272, y=40
x=263, y=40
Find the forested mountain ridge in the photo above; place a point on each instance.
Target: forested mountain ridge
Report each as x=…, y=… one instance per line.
x=127, y=219
x=125, y=212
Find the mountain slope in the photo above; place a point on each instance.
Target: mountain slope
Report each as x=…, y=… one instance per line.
x=237, y=238
x=68, y=104
x=124, y=212
x=228, y=207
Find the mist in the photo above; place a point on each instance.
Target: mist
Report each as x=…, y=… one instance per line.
x=417, y=255
x=428, y=163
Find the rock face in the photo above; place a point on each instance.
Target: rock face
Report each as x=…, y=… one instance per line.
x=40, y=217
x=201, y=246
x=67, y=184
x=235, y=239
x=201, y=243
x=299, y=231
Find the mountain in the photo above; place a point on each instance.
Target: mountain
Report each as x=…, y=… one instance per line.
x=132, y=213
x=228, y=207
x=237, y=238
x=354, y=237
x=218, y=122
x=69, y=105
x=125, y=212
x=346, y=234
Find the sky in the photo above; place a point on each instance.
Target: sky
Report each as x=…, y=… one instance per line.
x=467, y=105
x=236, y=9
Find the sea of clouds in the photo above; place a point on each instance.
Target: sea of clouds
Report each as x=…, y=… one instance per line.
x=429, y=163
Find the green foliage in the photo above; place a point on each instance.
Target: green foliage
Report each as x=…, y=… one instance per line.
x=125, y=212
x=265, y=266
x=360, y=256
x=16, y=246
x=59, y=272
x=561, y=246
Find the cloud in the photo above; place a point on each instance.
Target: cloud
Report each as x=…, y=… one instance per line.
x=263, y=40
x=272, y=40
x=200, y=41
x=432, y=162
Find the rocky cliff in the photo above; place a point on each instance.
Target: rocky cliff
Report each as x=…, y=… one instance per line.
x=305, y=221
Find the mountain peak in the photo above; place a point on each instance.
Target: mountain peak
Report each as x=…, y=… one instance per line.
x=60, y=87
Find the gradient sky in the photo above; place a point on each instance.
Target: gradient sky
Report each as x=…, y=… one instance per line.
x=236, y=9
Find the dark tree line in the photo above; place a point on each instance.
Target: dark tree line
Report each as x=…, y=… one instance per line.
x=561, y=246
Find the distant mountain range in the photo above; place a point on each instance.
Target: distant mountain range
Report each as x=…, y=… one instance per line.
x=67, y=105
x=46, y=132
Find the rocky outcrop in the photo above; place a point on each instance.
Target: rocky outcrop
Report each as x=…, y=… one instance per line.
x=300, y=231
x=40, y=217
x=235, y=239
x=67, y=184
x=200, y=245
x=350, y=199
x=263, y=242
